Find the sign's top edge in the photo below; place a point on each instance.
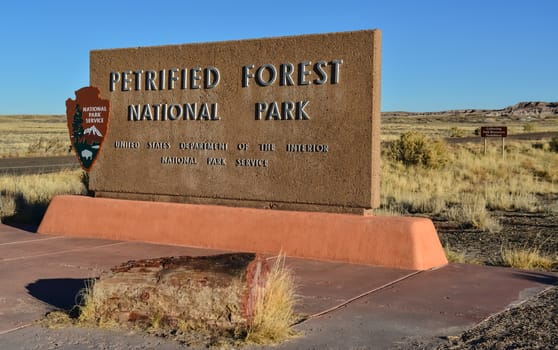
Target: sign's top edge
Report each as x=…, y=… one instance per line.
x=243, y=40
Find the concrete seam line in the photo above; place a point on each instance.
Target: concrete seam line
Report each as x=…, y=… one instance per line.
x=348, y=301
x=59, y=252
x=32, y=240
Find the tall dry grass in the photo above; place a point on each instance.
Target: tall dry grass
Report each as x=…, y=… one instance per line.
x=274, y=312
x=471, y=184
x=24, y=198
x=33, y=135
x=527, y=258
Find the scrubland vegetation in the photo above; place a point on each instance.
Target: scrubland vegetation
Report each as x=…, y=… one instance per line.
x=425, y=174
x=462, y=184
x=33, y=136
x=25, y=198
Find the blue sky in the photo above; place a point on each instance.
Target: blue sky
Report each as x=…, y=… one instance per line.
x=436, y=54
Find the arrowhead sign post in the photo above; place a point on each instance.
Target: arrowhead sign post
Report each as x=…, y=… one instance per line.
x=88, y=118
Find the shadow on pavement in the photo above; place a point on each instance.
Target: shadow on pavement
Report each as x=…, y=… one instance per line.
x=27, y=213
x=29, y=228
x=61, y=293
x=538, y=277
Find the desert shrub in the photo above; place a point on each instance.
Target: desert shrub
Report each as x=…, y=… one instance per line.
x=530, y=127
x=553, y=144
x=540, y=145
x=457, y=132
x=413, y=148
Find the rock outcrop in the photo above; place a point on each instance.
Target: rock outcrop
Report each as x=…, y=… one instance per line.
x=521, y=110
x=526, y=109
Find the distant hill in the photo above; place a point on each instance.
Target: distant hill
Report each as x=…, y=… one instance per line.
x=526, y=109
x=520, y=110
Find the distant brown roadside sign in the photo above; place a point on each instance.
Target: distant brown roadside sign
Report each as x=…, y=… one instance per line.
x=494, y=131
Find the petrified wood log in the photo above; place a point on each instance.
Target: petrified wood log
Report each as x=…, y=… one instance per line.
x=179, y=292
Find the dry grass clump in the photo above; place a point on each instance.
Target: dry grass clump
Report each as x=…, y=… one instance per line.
x=274, y=312
x=472, y=212
x=57, y=319
x=527, y=259
x=91, y=302
x=454, y=256
x=24, y=198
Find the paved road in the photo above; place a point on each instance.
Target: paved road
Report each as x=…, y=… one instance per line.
x=38, y=165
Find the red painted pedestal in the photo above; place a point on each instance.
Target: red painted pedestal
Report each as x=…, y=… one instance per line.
x=390, y=241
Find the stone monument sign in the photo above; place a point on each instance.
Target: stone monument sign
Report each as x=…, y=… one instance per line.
x=289, y=123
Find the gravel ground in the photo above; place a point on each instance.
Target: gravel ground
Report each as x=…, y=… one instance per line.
x=530, y=325
x=520, y=230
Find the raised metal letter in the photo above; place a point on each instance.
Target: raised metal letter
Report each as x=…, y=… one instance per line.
x=272, y=75
x=246, y=74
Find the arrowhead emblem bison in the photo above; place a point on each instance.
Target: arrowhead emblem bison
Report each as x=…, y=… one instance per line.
x=88, y=118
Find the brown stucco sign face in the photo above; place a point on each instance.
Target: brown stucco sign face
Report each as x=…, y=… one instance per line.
x=88, y=118
x=289, y=123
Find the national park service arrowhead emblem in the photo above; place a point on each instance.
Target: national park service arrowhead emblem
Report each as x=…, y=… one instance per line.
x=88, y=118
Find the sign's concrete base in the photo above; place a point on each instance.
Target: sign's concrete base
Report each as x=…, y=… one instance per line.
x=390, y=241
